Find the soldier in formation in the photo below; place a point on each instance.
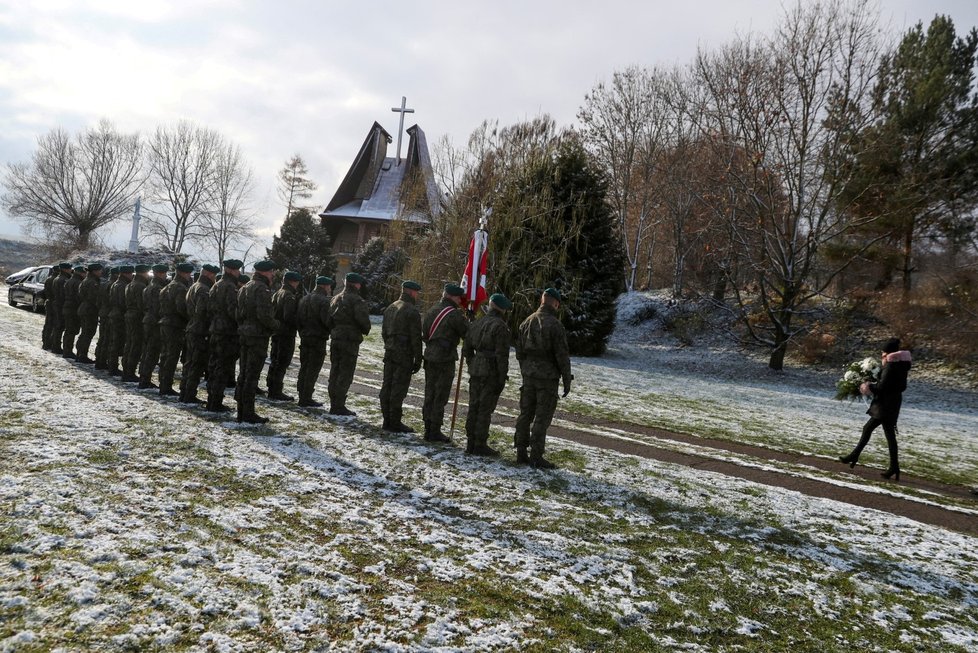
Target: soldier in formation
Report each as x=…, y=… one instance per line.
x=69, y=310
x=104, y=322
x=117, y=318
x=151, y=326
x=402, y=355
x=88, y=298
x=173, y=325
x=486, y=352
x=314, y=327
x=444, y=325
x=197, y=334
x=49, y=310
x=57, y=306
x=222, y=304
x=256, y=324
x=350, y=323
x=285, y=307
x=134, y=323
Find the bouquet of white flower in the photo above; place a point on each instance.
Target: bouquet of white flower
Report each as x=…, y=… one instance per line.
x=857, y=373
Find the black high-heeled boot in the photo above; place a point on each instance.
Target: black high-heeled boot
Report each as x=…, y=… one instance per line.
x=894, y=473
x=849, y=460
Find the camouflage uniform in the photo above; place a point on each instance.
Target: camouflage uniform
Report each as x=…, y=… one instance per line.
x=198, y=330
x=104, y=344
x=256, y=324
x=173, y=323
x=541, y=349
x=222, y=304
x=88, y=298
x=151, y=331
x=285, y=304
x=134, y=327
x=49, y=311
x=440, y=354
x=351, y=322
x=117, y=323
x=486, y=351
x=58, y=296
x=402, y=358
x=69, y=312
x=314, y=328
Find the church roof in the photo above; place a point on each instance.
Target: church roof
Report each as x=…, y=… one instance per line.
x=374, y=186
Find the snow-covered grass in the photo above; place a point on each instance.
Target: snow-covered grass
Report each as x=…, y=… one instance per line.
x=128, y=523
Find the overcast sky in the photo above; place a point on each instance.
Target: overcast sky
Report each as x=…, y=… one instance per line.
x=310, y=77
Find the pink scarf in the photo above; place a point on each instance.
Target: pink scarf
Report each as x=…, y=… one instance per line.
x=897, y=356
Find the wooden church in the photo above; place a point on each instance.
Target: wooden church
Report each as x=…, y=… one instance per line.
x=379, y=189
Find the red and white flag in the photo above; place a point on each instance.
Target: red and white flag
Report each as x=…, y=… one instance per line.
x=474, y=278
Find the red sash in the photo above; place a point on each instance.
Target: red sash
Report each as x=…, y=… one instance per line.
x=441, y=316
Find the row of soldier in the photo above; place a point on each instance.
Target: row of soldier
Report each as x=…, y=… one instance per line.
x=226, y=319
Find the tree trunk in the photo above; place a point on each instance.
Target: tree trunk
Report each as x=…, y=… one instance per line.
x=907, y=263
x=781, y=325
x=719, y=287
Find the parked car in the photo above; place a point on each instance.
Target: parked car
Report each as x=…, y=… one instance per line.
x=29, y=290
x=20, y=276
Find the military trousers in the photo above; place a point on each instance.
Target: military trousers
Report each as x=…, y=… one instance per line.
x=253, y=351
x=194, y=366
x=397, y=382
x=222, y=354
x=171, y=340
x=438, y=380
x=134, y=345
x=312, y=354
x=89, y=324
x=57, y=328
x=48, y=329
x=151, y=352
x=104, y=344
x=71, y=328
x=117, y=346
x=538, y=403
x=342, y=365
x=484, y=394
x=283, y=348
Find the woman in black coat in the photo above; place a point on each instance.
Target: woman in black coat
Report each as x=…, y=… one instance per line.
x=885, y=407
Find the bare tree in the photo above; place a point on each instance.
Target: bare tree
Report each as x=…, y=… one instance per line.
x=294, y=185
x=73, y=186
x=183, y=160
x=229, y=219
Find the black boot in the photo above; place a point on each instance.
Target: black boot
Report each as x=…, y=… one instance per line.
x=521, y=456
x=850, y=460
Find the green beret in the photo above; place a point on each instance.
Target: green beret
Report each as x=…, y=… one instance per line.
x=80, y=268
x=64, y=265
x=292, y=275
x=353, y=277
x=501, y=300
x=114, y=270
x=325, y=281
x=210, y=267
x=265, y=266
x=160, y=267
x=243, y=278
x=233, y=264
x=411, y=285
x=142, y=267
x=185, y=267
x=94, y=267
x=554, y=293
x=454, y=290
x=126, y=269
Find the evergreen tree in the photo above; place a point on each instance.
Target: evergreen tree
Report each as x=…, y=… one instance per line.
x=303, y=245
x=294, y=186
x=382, y=267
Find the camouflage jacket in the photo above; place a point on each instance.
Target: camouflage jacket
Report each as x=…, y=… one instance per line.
x=442, y=342
x=58, y=290
x=486, y=347
x=222, y=304
x=105, y=297
x=88, y=295
x=402, y=332
x=151, y=301
x=117, y=298
x=351, y=319
x=541, y=346
x=313, y=315
x=49, y=286
x=71, y=293
x=285, y=308
x=255, y=316
x=198, y=307
x=173, y=303
x=134, y=297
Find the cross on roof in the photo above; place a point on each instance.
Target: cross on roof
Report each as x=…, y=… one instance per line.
x=400, y=130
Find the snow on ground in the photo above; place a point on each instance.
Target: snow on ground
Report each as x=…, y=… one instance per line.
x=129, y=522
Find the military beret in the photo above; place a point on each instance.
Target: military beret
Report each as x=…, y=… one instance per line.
x=80, y=268
x=454, y=290
x=210, y=267
x=292, y=275
x=325, y=281
x=185, y=267
x=265, y=266
x=243, y=278
x=554, y=293
x=114, y=269
x=411, y=285
x=94, y=267
x=161, y=267
x=126, y=269
x=142, y=267
x=501, y=300
x=233, y=264
x=64, y=265
x=353, y=277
